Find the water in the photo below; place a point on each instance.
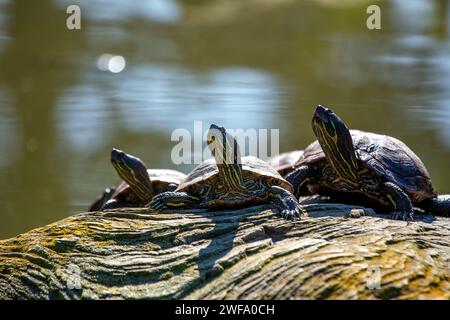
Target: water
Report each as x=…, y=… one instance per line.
x=242, y=64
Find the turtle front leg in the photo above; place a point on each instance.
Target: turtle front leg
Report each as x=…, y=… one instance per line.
x=300, y=178
x=285, y=202
x=439, y=206
x=173, y=200
x=403, y=209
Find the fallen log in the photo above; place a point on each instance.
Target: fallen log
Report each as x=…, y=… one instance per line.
x=246, y=254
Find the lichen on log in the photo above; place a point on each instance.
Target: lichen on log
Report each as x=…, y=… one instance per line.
x=246, y=254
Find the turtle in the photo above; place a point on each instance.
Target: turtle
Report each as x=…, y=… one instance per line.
x=284, y=162
x=365, y=168
x=139, y=185
x=230, y=181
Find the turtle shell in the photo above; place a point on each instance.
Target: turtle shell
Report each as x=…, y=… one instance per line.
x=284, y=162
x=252, y=167
x=387, y=157
x=160, y=179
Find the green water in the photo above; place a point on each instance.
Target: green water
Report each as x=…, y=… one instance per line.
x=242, y=64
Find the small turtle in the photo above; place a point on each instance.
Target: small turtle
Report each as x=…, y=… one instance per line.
x=284, y=162
x=139, y=185
x=229, y=181
x=364, y=168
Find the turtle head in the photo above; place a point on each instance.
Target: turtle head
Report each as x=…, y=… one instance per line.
x=134, y=172
x=225, y=150
x=336, y=142
x=223, y=146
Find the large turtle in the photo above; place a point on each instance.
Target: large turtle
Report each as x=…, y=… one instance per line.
x=364, y=168
x=229, y=181
x=139, y=185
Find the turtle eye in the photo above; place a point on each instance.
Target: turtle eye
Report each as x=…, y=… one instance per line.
x=211, y=140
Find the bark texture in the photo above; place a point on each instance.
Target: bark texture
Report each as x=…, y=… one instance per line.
x=245, y=254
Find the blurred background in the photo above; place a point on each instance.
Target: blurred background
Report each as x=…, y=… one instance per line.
x=243, y=64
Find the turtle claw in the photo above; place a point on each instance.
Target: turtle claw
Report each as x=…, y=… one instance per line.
x=286, y=203
x=402, y=215
x=293, y=213
x=289, y=214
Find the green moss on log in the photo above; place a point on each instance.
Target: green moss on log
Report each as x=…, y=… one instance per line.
x=245, y=254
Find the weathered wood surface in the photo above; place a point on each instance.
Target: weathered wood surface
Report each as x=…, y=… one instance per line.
x=252, y=254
